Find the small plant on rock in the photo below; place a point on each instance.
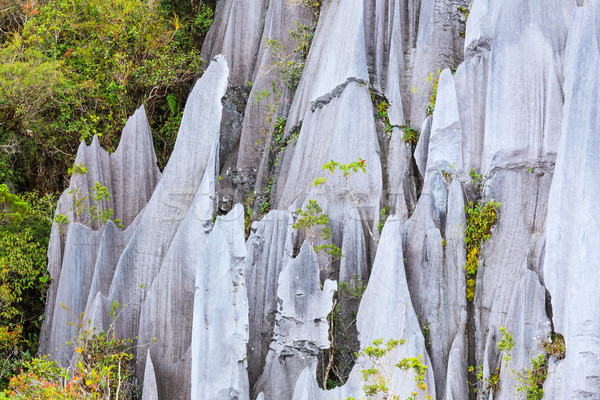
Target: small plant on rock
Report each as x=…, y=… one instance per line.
x=315, y=224
x=555, y=346
x=347, y=170
x=433, y=82
x=379, y=382
x=383, y=215
x=476, y=179
x=480, y=219
x=530, y=381
x=410, y=135
x=80, y=200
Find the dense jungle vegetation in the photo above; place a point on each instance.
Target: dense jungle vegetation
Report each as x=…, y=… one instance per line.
x=69, y=70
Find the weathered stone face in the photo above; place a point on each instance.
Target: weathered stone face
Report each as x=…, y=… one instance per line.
x=248, y=317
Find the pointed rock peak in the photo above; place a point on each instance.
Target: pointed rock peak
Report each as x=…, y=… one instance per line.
x=202, y=115
x=95, y=142
x=446, y=108
x=150, y=389
x=81, y=152
x=137, y=129
x=216, y=71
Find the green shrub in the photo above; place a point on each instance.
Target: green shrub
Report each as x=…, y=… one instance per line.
x=382, y=105
x=104, y=370
x=410, y=135
x=315, y=224
x=25, y=223
x=480, y=219
x=379, y=383
x=433, y=82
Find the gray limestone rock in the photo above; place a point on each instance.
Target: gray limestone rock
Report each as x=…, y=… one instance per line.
x=301, y=325
x=570, y=267
x=172, y=291
x=79, y=258
x=422, y=148
x=249, y=321
x=270, y=246
x=220, y=316
x=438, y=45
x=387, y=294
x=262, y=112
x=236, y=33
x=150, y=388
x=337, y=53
x=525, y=64
x=198, y=135
x=130, y=175
x=342, y=130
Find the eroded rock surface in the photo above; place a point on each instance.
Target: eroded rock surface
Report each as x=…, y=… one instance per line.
x=515, y=123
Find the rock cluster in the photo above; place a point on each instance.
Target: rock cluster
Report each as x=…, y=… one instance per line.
x=249, y=317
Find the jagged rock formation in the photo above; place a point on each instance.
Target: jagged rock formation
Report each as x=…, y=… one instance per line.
x=250, y=318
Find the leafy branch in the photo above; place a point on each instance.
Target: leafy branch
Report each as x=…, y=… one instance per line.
x=347, y=170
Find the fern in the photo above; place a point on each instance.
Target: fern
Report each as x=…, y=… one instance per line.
x=172, y=102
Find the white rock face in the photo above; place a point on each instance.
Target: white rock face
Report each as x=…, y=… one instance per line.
x=150, y=389
x=338, y=52
x=130, y=175
x=239, y=43
x=301, y=325
x=150, y=267
x=270, y=247
x=220, y=324
x=571, y=259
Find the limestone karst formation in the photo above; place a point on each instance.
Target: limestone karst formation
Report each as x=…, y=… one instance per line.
x=247, y=314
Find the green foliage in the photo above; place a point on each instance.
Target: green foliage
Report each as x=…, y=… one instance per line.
x=13, y=14
x=378, y=378
x=271, y=98
x=290, y=64
x=353, y=289
x=342, y=321
x=87, y=205
x=465, y=11
x=480, y=219
x=279, y=130
x=265, y=205
x=25, y=223
x=104, y=369
x=476, y=179
x=506, y=344
x=433, y=82
x=313, y=5
x=555, y=346
x=382, y=106
x=91, y=63
x=383, y=214
x=346, y=169
x=248, y=214
x=531, y=380
x=410, y=135
x=485, y=385
x=315, y=224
